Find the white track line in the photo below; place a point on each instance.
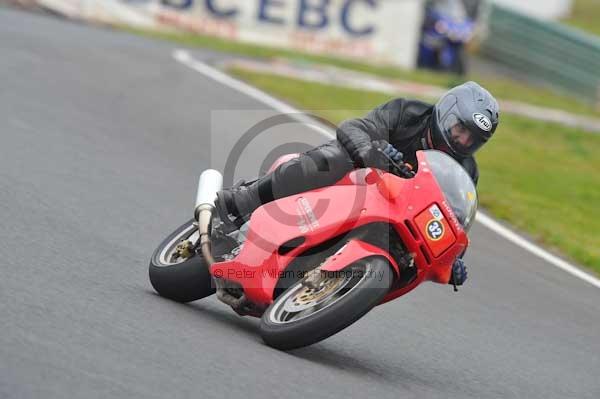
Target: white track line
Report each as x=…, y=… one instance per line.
x=534, y=249
x=185, y=58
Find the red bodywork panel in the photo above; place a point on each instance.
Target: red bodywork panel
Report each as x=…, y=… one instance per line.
x=363, y=196
x=435, y=230
x=353, y=251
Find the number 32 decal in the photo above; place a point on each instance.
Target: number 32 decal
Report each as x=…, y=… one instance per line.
x=435, y=230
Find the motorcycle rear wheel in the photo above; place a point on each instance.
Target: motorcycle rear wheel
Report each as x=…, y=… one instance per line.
x=303, y=315
x=180, y=279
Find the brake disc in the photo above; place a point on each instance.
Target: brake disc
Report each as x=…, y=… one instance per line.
x=307, y=297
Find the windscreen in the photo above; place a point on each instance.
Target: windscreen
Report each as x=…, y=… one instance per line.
x=456, y=184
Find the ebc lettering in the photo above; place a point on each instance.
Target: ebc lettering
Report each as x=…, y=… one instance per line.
x=347, y=8
x=264, y=11
x=315, y=9
x=211, y=6
x=180, y=4
x=312, y=15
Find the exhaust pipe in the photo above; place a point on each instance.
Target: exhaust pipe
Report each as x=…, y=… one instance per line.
x=210, y=182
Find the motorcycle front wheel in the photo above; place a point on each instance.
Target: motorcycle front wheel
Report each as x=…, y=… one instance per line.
x=308, y=313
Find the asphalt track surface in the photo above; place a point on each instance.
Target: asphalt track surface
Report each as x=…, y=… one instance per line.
x=103, y=137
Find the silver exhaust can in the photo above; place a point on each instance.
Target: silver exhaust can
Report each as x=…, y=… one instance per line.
x=209, y=183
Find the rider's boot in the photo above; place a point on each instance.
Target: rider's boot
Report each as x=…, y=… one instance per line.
x=236, y=204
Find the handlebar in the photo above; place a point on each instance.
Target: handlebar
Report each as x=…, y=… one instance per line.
x=401, y=169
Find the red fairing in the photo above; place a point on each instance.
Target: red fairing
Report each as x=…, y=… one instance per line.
x=364, y=196
x=354, y=251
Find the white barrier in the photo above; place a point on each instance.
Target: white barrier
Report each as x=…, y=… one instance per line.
x=382, y=31
x=376, y=30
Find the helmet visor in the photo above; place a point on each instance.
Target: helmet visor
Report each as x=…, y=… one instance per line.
x=459, y=137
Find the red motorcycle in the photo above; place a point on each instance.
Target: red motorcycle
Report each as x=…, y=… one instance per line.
x=313, y=263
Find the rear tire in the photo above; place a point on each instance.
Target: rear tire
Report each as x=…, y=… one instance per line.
x=282, y=331
x=185, y=281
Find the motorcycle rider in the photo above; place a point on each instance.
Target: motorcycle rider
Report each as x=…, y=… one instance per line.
x=460, y=123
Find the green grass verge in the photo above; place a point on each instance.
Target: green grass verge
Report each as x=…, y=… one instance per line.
x=542, y=178
x=502, y=88
x=586, y=16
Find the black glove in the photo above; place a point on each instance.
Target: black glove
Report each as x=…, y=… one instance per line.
x=370, y=156
x=459, y=273
x=393, y=153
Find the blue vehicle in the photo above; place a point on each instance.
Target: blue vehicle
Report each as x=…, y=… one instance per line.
x=446, y=30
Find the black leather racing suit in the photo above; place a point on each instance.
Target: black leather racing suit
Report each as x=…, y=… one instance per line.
x=403, y=123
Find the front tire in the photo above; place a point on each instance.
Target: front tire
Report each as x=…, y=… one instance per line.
x=293, y=321
x=182, y=280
